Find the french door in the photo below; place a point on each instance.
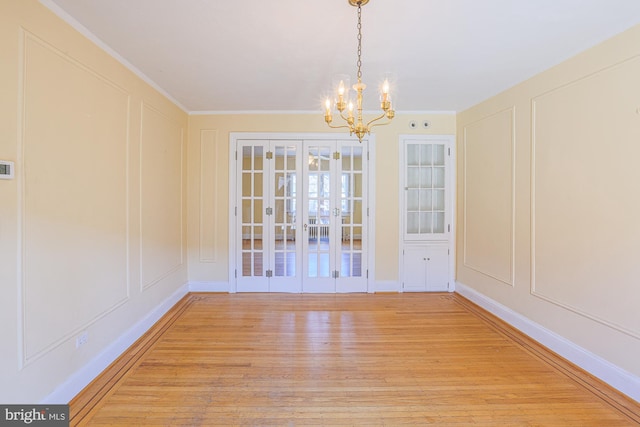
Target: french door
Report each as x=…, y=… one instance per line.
x=301, y=215
x=334, y=216
x=266, y=222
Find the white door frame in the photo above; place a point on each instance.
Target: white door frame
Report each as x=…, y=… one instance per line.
x=234, y=137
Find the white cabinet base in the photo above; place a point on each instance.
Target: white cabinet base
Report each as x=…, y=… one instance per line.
x=425, y=268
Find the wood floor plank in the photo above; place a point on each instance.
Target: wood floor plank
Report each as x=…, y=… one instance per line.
x=357, y=359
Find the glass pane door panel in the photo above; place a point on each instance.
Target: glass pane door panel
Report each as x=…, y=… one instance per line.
x=251, y=212
x=319, y=211
x=257, y=238
x=246, y=210
x=257, y=211
x=257, y=184
x=258, y=264
x=246, y=184
x=284, y=219
x=319, y=196
x=351, y=203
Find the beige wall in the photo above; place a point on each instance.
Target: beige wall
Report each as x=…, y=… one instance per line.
x=548, y=199
x=209, y=183
x=93, y=227
x=93, y=230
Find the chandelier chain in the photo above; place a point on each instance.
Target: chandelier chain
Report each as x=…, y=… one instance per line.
x=359, y=63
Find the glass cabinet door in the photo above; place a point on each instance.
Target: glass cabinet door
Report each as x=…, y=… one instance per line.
x=426, y=193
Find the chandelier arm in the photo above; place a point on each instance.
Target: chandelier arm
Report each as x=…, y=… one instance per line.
x=381, y=116
x=339, y=127
x=379, y=124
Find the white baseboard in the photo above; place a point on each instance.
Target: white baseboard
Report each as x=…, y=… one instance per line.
x=387, y=286
x=81, y=378
x=208, y=286
x=606, y=371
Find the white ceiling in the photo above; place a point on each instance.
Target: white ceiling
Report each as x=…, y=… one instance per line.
x=280, y=55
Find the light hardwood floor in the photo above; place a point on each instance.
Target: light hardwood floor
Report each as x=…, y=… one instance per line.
x=355, y=359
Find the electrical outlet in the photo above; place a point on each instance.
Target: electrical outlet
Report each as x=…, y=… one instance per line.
x=82, y=339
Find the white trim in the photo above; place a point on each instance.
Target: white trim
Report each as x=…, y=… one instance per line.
x=82, y=377
x=231, y=226
x=606, y=371
x=208, y=286
x=318, y=111
x=250, y=112
x=371, y=213
x=412, y=112
x=62, y=14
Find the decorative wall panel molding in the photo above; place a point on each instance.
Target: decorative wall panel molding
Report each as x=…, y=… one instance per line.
x=74, y=213
x=489, y=202
x=208, y=180
x=585, y=194
x=161, y=196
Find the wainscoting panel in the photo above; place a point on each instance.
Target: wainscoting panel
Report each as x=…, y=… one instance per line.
x=585, y=148
x=74, y=211
x=488, y=196
x=161, y=196
x=208, y=180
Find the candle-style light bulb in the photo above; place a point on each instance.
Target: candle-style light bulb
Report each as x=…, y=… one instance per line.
x=385, y=90
x=327, y=112
x=341, y=88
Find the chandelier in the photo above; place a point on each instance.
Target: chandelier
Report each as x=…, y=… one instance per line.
x=342, y=102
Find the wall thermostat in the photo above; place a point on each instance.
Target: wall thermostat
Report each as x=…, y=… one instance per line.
x=7, y=169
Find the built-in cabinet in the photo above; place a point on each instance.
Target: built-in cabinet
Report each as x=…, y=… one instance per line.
x=426, y=212
x=426, y=267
